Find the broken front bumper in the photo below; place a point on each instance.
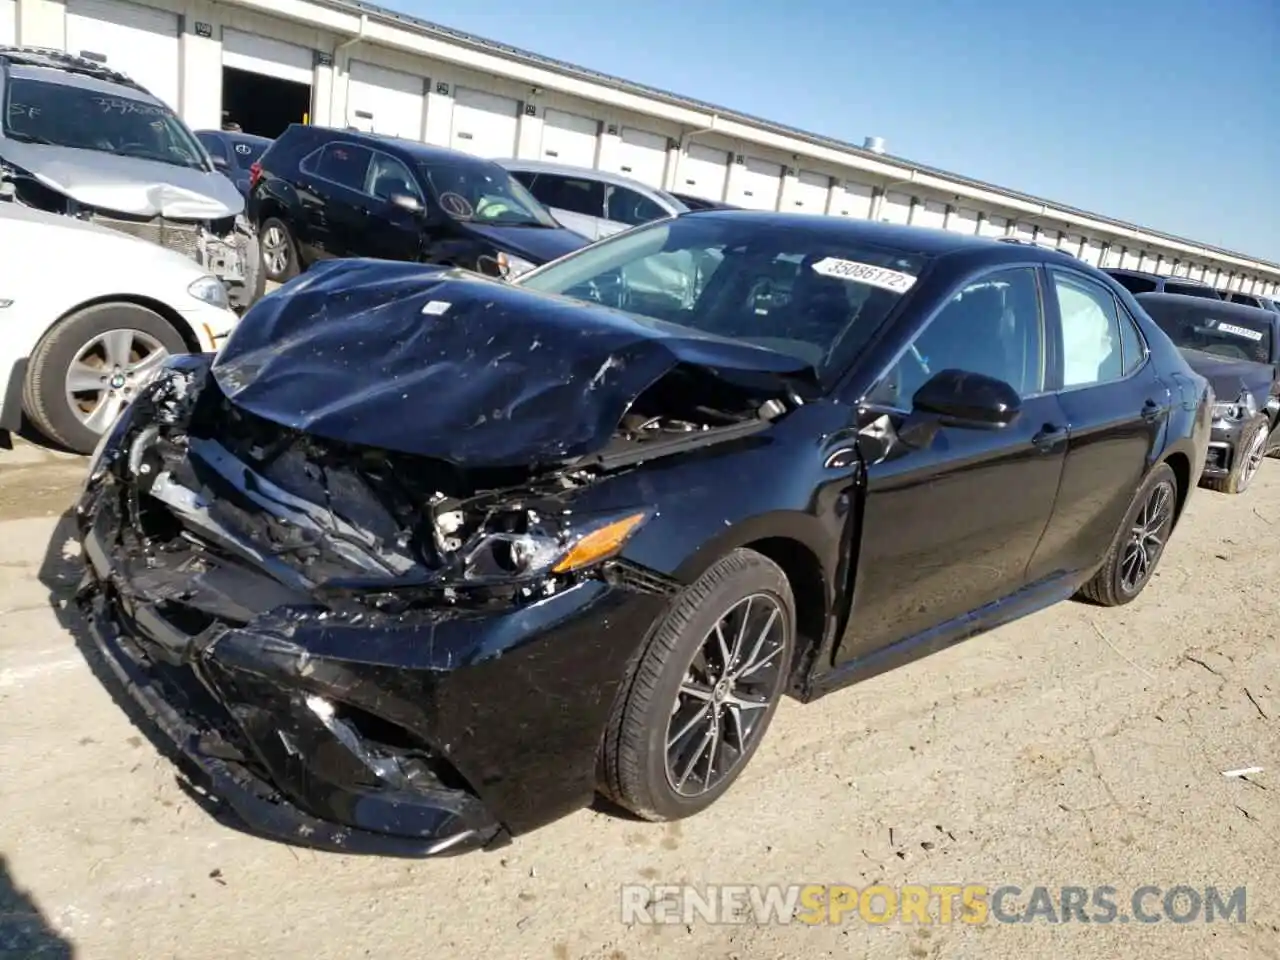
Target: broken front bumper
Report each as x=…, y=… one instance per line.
x=1224, y=442
x=418, y=735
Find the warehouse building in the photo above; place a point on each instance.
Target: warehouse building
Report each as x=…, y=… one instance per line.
x=267, y=63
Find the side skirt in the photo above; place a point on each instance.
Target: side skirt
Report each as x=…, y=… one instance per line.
x=1030, y=599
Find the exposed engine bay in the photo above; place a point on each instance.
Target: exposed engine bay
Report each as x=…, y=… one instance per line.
x=201, y=478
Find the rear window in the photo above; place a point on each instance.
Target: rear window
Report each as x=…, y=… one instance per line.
x=1134, y=284
x=247, y=152
x=1195, y=327
x=1191, y=290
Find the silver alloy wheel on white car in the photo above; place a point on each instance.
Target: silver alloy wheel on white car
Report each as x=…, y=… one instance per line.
x=275, y=250
x=107, y=372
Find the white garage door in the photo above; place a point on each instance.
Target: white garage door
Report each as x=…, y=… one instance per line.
x=1130, y=260
x=140, y=41
x=8, y=21
x=385, y=101
x=930, y=214
x=484, y=123
x=896, y=208
x=994, y=227
x=1092, y=252
x=756, y=184
x=642, y=156
x=569, y=138
x=963, y=221
x=853, y=200
x=265, y=56
x=702, y=171
x=1071, y=243
x=808, y=193
x=1024, y=231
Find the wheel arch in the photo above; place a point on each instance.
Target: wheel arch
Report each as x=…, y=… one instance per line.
x=166, y=312
x=1180, y=464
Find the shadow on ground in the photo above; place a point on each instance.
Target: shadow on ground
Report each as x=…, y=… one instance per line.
x=24, y=931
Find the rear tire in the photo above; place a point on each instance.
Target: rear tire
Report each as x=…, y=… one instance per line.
x=279, y=250
x=659, y=760
x=1139, y=543
x=109, y=349
x=1249, y=454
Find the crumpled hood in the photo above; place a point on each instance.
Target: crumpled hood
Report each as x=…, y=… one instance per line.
x=536, y=244
x=445, y=364
x=143, y=188
x=1228, y=377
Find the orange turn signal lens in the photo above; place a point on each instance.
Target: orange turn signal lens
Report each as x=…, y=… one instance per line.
x=599, y=544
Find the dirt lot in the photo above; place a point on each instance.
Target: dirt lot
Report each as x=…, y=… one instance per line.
x=1078, y=747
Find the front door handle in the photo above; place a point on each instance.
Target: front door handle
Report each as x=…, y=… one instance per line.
x=1049, y=436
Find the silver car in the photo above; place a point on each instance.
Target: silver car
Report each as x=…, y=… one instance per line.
x=593, y=203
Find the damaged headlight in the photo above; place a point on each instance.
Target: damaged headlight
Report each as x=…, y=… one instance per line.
x=211, y=291
x=539, y=551
x=1243, y=407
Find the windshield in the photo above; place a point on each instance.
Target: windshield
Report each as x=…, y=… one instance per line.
x=67, y=116
x=812, y=295
x=484, y=193
x=1201, y=328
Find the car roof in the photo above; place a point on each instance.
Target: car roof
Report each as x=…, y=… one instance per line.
x=569, y=170
x=924, y=240
x=1225, y=307
x=1147, y=274
x=234, y=135
x=414, y=148
x=104, y=84
x=65, y=64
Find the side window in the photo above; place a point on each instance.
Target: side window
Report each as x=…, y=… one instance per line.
x=526, y=178
x=1091, y=350
x=993, y=326
x=217, y=149
x=1135, y=284
x=1133, y=349
x=388, y=177
x=345, y=164
x=627, y=206
x=570, y=193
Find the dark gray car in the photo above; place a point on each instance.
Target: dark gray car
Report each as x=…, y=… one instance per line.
x=1237, y=349
x=79, y=139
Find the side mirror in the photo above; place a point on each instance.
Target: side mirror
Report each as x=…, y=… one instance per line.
x=406, y=202
x=963, y=399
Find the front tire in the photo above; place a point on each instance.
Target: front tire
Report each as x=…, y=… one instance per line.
x=279, y=250
x=1249, y=454
x=1139, y=543
x=90, y=365
x=704, y=691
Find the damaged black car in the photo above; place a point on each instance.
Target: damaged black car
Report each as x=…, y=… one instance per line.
x=1237, y=349
x=423, y=560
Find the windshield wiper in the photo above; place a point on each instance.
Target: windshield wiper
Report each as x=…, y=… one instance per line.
x=29, y=138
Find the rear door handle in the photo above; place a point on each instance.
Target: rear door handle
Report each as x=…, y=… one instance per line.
x=1049, y=436
x=1150, y=410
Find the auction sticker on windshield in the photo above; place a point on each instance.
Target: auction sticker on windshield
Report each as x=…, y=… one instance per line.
x=867, y=273
x=1254, y=335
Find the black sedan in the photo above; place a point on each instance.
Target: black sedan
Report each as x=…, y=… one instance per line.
x=1237, y=349
x=423, y=559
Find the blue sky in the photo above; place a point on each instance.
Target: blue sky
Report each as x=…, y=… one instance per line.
x=1163, y=113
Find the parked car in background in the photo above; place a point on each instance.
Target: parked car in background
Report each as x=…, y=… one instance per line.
x=82, y=140
x=427, y=567
x=1251, y=300
x=320, y=193
x=593, y=203
x=702, y=203
x=234, y=153
x=80, y=343
x=1237, y=349
x=1139, y=281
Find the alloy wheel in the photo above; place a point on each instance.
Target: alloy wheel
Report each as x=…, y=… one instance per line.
x=275, y=250
x=1147, y=538
x=1253, y=458
x=731, y=682
x=108, y=371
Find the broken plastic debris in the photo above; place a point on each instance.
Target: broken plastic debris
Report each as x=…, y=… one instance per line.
x=1242, y=772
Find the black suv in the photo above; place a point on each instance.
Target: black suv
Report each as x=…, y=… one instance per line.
x=1140, y=281
x=319, y=192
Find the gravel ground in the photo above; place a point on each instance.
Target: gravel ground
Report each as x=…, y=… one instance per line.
x=1077, y=747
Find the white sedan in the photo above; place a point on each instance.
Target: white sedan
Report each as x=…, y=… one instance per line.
x=87, y=314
